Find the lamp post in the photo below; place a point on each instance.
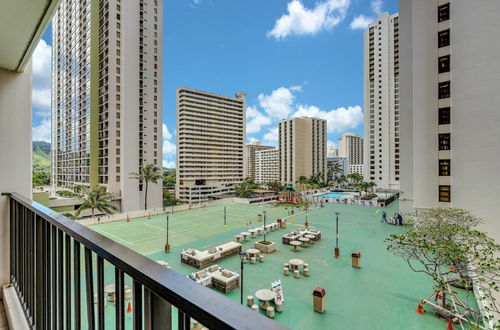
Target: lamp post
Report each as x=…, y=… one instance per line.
x=167, y=246
x=242, y=256
x=337, y=249
x=265, y=230
x=225, y=216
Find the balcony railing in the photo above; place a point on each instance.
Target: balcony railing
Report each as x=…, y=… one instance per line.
x=57, y=267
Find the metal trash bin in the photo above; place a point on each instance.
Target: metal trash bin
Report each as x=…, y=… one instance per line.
x=356, y=259
x=319, y=299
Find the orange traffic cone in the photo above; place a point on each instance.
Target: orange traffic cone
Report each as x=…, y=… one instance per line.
x=129, y=307
x=452, y=269
x=450, y=325
x=420, y=310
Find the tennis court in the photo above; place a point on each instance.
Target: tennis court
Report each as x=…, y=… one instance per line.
x=382, y=294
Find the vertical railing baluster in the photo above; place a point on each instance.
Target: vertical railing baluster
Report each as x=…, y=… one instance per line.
x=47, y=280
x=12, y=238
x=119, y=292
x=54, y=277
x=39, y=272
x=100, y=293
x=137, y=296
x=89, y=285
x=77, y=286
x=32, y=273
x=60, y=278
x=67, y=266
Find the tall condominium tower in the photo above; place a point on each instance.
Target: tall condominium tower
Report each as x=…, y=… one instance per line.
x=381, y=102
x=351, y=147
x=449, y=106
x=106, y=99
x=302, y=145
x=249, y=164
x=267, y=166
x=210, y=143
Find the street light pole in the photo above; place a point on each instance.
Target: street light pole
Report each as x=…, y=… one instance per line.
x=167, y=246
x=225, y=216
x=242, y=255
x=265, y=231
x=337, y=249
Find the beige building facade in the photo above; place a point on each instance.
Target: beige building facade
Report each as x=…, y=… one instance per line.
x=107, y=100
x=250, y=160
x=351, y=147
x=303, y=148
x=210, y=144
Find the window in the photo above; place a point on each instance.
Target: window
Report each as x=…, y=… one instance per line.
x=444, y=38
x=444, y=90
x=444, y=141
x=444, y=194
x=444, y=12
x=444, y=116
x=444, y=64
x=444, y=167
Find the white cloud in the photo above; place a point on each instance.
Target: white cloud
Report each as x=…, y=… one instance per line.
x=303, y=21
x=361, y=22
x=42, y=131
x=251, y=139
x=377, y=6
x=168, y=164
x=42, y=78
x=338, y=120
x=272, y=135
x=256, y=120
x=169, y=148
x=166, y=133
x=278, y=104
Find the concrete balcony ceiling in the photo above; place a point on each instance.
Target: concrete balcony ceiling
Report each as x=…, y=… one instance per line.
x=22, y=23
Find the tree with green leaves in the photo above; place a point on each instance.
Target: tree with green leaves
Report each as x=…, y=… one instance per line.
x=150, y=173
x=244, y=189
x=302, y=180
x=443, y=244
x=168, y=178
x=355, y=177
x=275, y=186
x=97, y=198
x=371, y=185
x=170, y=199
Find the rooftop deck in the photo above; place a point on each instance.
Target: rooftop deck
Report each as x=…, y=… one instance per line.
x=382, y=294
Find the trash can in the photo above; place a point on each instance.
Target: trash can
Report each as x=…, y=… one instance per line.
x=319, y=299
x=356, y=259
x=259, y=217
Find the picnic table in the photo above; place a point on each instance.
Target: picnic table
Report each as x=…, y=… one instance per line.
x=244, y=234
x=252, y=232
x=295, y=244
x=304, y=240
x=253, y=252
x=295, y=263
x=265, y=295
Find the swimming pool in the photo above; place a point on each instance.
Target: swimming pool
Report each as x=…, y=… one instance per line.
x=332, y=195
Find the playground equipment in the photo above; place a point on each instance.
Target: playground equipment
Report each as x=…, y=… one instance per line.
x=289, y=195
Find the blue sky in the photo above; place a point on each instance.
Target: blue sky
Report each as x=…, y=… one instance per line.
x=291, y=57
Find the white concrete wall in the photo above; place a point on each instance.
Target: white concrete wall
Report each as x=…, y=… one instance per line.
x=15, y=150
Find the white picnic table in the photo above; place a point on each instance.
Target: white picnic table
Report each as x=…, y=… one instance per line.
x=295, y=244
x=265, y=295
x=253, y=252
x=295, y=263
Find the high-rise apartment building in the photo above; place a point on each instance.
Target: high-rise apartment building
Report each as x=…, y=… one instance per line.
x=106, y=96
x=210, y=144
x=381, y=102
x=302, y=145
x=267, y=166
x=449, y=107
x=351, y=147
x=250, y=161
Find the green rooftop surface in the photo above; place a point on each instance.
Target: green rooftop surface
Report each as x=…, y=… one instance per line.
x=382, y=294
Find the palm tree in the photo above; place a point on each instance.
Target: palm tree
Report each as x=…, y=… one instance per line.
x=334, y=171
x=355, y=177
x=97, y=198
x=302, y=181
x=244, y=189
x=149, y=173
x=275, y=186
x=371, y=185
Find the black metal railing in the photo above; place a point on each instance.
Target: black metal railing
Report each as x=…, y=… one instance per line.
x=57, y=267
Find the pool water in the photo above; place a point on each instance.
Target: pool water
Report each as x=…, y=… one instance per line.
x=333, y=195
